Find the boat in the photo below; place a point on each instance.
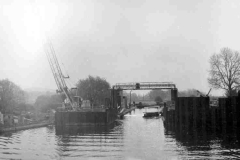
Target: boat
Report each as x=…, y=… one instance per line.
x=140, y=105
x=152, y=114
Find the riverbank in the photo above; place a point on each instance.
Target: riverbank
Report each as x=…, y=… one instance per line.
x=23, y=127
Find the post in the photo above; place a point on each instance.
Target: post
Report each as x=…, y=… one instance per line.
x=1, y=92
x=180, y=107
x=174, y=95
x=177, y=113
x=130, y=97
x=195, y=107
x=222, y=106
x=234, y=114
x=238, y=117
x=213, y=119
x=186, y=113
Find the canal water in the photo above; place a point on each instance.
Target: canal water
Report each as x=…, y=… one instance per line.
x=131, y=138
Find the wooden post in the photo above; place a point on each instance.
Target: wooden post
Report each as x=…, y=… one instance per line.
x=203, y=113
x=207, y=112
x=165, y=114
x=238, y=115
x=186, y=113
x=190, y=113
x=213, y=119
x=223, y=114
x=177, y=114
x=234, y=115
x=195, y=113
x=180, y=113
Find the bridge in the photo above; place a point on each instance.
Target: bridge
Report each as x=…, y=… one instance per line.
x=121, y=100
x=145, y=86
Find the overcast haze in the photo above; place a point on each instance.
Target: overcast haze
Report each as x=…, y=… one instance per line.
x=122, y=41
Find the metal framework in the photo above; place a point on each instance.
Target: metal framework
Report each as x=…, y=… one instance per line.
x=144, y=85
x=57, y=72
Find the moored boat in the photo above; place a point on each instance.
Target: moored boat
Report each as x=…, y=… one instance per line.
x=152, y=113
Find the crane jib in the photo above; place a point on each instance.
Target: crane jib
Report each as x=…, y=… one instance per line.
x=57, y=72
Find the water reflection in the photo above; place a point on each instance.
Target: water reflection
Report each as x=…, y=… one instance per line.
x=84, y=130
x=205, y=144
x=87, y=142
x=132, y=137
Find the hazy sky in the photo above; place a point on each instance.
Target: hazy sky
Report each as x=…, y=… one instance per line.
x=120, y=40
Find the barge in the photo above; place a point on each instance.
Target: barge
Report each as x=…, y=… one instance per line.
x=152, y=113
x=86, y=117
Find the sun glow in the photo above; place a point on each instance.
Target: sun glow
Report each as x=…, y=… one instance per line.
x=28, y=30
x=32, y=40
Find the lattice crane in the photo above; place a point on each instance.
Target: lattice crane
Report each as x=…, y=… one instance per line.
x=57, y=73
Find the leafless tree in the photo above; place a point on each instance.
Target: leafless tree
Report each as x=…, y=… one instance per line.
x=225, y=71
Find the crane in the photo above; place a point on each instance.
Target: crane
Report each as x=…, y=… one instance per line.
x=57, y=73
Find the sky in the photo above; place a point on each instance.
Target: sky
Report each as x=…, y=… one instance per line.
x=121, y=41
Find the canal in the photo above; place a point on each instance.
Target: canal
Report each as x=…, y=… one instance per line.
x=132, y=137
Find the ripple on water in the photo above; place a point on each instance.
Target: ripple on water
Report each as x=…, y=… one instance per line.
x=133, y=137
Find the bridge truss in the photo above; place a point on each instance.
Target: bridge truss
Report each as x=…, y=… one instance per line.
x=145, y=86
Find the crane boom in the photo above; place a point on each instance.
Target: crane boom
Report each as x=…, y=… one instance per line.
x=57, y=72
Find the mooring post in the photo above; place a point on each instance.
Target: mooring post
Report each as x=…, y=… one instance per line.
x=177, y=114
x=203, y=107
x=165, y=112
x=213, y=119
x=180, y=113
x=174, y=97
x=223, y=114
x=190, y=113
x=186, y=113
x=234, y=111
x=195, y=113
x=238, y=113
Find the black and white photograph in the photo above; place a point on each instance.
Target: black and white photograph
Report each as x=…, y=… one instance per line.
x=119, y=79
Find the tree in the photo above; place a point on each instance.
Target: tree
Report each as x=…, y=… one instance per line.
x=158, y=99
x=11, y=96
x=47, y=102
x=95, y=89
x=165, y=95
x=190, y=93
x=225, y=71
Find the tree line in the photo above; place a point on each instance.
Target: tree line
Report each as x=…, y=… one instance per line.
x=224, y=74
x=12, y=98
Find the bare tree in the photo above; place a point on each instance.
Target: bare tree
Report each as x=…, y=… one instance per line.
x=225, y=71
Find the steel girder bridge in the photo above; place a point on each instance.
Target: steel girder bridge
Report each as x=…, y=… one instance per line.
x=145, y=86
